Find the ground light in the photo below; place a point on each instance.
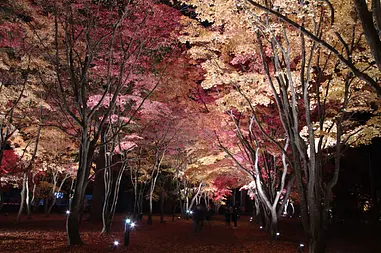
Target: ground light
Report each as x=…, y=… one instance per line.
x=127, y=229
x=261, y=227
x=188, y=213
x=251, y=219
x=277, y=235
x=301, y=247
x=115, y=244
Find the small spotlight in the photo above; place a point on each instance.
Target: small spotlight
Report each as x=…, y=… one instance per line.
x=190, y=212
x=67, y=212
x=301, y=247
x=179, y=218
x=116, y=243
x=261, y=227
x=132, y=225
x=277, y=236
x=128, y=220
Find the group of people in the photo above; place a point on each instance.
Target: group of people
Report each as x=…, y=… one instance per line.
x=202, y=215
x=231, y=214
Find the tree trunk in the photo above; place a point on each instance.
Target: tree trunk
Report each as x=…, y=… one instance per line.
x=107, y=178
x=34, y=197
x=1, y=200
x=316, y=245
x=149, y=222
x=72, y=221
x=135, y=208
x=54, y=196
x=22, y=195
x=162, y=197
x=98, y=191
x=274, y=223
x=110, y=210
x=28, y=200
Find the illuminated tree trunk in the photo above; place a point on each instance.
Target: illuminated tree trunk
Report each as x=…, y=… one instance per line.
x=54, y=195
x=72, y=222
x=195, y=197
x=23, y=197
x=134, y=176
x=141, y=198
x=107, y=177
x=32, y=201
x=149, y=221
x=28, y=200
x=109, y=209
x=159, y=156
x=136, y=195
x=26, y=172
x=152, y=189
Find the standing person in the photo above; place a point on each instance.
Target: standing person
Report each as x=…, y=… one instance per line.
x=227, y=216
x=208, y=217
x=235, y=215
x=197, y=218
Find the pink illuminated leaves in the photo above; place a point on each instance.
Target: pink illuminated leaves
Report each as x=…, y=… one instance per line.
x=10, y=162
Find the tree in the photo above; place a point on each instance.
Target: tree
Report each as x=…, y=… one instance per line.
x=94, y=52
x=294, y=71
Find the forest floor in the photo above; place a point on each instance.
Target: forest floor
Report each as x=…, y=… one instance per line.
x=41, y=234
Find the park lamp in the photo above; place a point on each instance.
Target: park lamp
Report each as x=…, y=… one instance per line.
x=251, y=219
x=277, y=235
x=129, y=225
x=190, y=212
x=67, y=212
x=301, y=247
x=260, y=227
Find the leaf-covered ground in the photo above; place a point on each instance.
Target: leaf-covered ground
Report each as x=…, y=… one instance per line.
x=48, y=235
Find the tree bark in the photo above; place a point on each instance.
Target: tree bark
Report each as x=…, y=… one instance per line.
x=54, y=200
x=149, y=221
x=370, y=31
x=98, y=189
x=72, y=221
x=22, y=195
x=1, y=200
x=162, y=197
